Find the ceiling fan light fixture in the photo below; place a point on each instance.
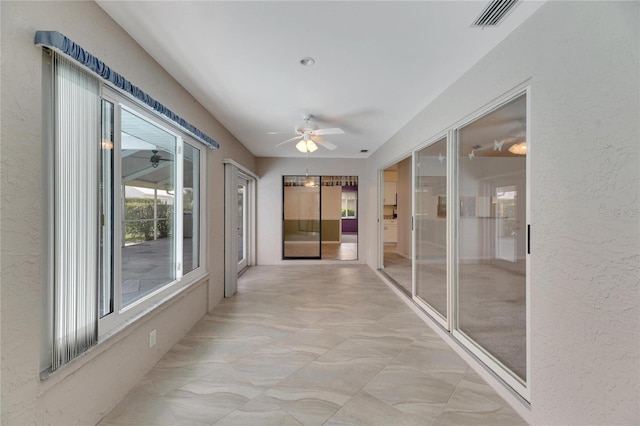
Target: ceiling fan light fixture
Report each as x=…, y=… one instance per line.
x=310, y=182
x=305, y=146
x=519, y=148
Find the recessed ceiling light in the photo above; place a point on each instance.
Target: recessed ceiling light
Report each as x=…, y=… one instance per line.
x=307, y=61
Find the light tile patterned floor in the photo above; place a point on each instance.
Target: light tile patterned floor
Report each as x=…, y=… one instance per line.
x=311, y=345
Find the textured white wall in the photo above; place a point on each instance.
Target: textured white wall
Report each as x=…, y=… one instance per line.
x=581, y=61
x=269, y=200
x=88, y=387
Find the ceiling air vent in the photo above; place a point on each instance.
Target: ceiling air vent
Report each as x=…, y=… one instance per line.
x=495, y=12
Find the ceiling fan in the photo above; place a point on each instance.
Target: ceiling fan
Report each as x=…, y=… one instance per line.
x=308, y=135
x=155, y=159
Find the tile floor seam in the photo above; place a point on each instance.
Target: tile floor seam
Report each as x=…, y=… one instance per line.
x=444, y=406
x=362, y=390
x=170, y=410
x=300, y=420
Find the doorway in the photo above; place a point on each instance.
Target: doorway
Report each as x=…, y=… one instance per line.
x=396, y=224
x=320, y=217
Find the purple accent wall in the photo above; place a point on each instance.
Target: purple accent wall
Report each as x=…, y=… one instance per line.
x=350, y=225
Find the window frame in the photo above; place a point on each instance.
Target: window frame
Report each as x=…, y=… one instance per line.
x=121, y=316
x=346, y=207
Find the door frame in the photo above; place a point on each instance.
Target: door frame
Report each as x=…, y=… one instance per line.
x=233, y=173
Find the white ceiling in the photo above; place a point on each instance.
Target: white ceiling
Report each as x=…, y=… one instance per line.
x=377, y=63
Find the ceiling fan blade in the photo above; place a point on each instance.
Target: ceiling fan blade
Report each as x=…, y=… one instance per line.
x=279, y=133
x=289, y=140
x=325, y=143
x=331, y=131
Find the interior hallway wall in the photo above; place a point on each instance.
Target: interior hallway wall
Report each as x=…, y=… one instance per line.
x=88, y=387
x=269, y=200
x=581, y=60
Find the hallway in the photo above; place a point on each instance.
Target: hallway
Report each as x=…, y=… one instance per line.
x=311, y=345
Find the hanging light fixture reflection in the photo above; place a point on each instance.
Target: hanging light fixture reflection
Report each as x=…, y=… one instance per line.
x=519, y=148
x=306, y=144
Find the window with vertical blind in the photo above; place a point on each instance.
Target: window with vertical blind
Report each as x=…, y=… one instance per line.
x=127, y=202
x=75, y=211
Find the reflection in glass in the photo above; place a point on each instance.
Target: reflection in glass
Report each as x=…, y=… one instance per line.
x=492, y=234
x=191, y=209
x=105, y=297
x=148, y=180
x=431, y=226
x=339, y=217
x=301, y=226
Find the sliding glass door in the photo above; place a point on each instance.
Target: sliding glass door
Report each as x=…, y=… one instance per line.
x=431, y=228
x=320, y=217
x=301, y=217
x=471, y=237
x=492, y=225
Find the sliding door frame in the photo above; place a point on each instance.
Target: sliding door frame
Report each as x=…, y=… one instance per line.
x=450, y=324
x=522, y=387
x=424, y=304
x=320, y=215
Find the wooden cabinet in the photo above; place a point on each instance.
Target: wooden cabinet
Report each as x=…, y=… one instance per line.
x=390, y=197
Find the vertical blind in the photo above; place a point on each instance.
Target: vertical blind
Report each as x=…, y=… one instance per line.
x=76, y=242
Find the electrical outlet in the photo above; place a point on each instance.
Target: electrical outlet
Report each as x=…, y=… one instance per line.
x=152, y=338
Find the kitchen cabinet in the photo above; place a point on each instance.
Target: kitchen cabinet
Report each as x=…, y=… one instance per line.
x=390, y=231
x=390, y=198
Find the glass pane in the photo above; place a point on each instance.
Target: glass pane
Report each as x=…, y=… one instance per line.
x=492, y=234
x=431, y=226
x=148, y=255
x=191, y=209
x=240, y=223
x=339, y=225
x=105, y=298
x=301, y=226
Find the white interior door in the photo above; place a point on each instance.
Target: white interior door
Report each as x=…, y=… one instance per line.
x=241, y=226
x=239, y=218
